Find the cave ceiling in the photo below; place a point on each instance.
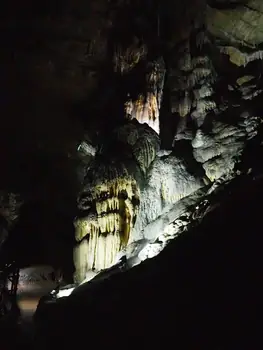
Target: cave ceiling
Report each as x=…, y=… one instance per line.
x=128, y=115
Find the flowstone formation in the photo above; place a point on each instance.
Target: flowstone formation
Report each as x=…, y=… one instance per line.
x=110, y=200
x=138, y=195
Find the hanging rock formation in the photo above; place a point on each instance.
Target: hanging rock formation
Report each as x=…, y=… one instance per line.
x=145, y=107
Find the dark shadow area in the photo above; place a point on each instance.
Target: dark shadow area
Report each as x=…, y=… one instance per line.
x=42, y=236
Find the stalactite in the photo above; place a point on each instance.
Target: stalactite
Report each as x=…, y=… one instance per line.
x=145, y=110
x=96, y=252
x=192, y=90
x=146, y=107
x=106, y=230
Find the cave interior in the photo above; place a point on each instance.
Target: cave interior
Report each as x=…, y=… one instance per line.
x=132, y=173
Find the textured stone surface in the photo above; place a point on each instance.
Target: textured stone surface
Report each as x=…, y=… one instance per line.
x=241, y=25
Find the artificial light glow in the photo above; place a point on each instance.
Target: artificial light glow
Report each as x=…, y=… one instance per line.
x=39, y=279
x=64, y=292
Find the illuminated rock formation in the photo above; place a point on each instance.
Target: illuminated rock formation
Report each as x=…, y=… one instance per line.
x=113, y=202
x=146, y=106
x=136, y=196
x=110, y=200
